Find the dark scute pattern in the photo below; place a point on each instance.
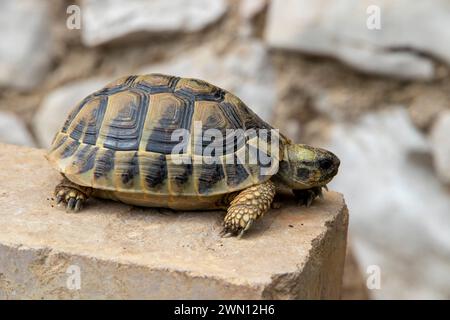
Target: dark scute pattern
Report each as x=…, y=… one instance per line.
x=160, y=140
x=130, y=80
x=229, y=110
x=152, y=89
x=214, y=121
x=236, y=143
x=77, y=130
x=125, y=131
x=157, y=172
x=256, y=124
x=183, y=177
x=132, y=170
x=109, y=91
x=252, y=120
x=102, y=92
x=224, y=118
x=74, y=113
x=173, y=82
x=228, y=143
x=69, y=149
x=210, y=175
x=127, y=83
x=87, y=157
x=263, y=160
x=236, y=173
x=59, y=143
x=234, y=122
x=93, y=127
x=104, y=164
x=217, y=95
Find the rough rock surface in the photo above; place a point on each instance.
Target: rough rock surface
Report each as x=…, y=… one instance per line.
x=311, y=26
x=427, y=106
x=245, y=70
x=107, y=20
x=25, y=49
x=56, y=106
x=399, y=209
x=13, y=130
x=127, y=252
x=440, y=145
x=249, y=10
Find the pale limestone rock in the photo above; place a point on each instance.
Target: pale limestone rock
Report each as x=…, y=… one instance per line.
x=107, y=20
x=248, y=9
x=127, y=252
x=56, y=106
x=25, y=48
x=13, y=130
x=400, y=212
x=246, y=71
x=440, y=145
x=427, y=105
x=338, y=28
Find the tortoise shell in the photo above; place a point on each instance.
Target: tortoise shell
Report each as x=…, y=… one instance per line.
x=120, y=138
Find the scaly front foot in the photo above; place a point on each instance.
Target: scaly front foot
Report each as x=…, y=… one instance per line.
x=305, y=197
x=249, y=205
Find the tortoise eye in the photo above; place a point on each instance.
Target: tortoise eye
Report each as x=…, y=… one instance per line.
x=325, y=164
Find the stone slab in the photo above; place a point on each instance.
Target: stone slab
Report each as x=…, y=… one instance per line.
x=118, y=251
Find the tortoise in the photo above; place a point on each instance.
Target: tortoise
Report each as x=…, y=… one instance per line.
x=118, y=143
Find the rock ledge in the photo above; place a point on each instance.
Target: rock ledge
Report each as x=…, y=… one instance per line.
x=125, y=252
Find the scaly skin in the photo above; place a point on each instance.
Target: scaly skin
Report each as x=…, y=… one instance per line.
x=249, y=205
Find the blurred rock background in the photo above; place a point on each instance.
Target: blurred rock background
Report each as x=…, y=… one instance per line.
x=378, y=98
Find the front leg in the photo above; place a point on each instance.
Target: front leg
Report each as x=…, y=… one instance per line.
x=249, y=205
x=73, y=195
x=306, y=196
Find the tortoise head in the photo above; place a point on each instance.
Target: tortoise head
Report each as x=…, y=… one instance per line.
x=305, y=167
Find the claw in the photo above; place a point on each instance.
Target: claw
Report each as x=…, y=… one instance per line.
x=59, y=199
x=325, y=187
x=275, y=205
x=320, y=194
x=309, y=201
x=70, y=204
x=247, y=226
x=78, y=205
x=225, y=234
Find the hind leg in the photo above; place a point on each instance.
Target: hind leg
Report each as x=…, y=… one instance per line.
x=71, y=194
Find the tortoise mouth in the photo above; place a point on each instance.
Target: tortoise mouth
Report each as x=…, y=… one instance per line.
x=328, y=176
